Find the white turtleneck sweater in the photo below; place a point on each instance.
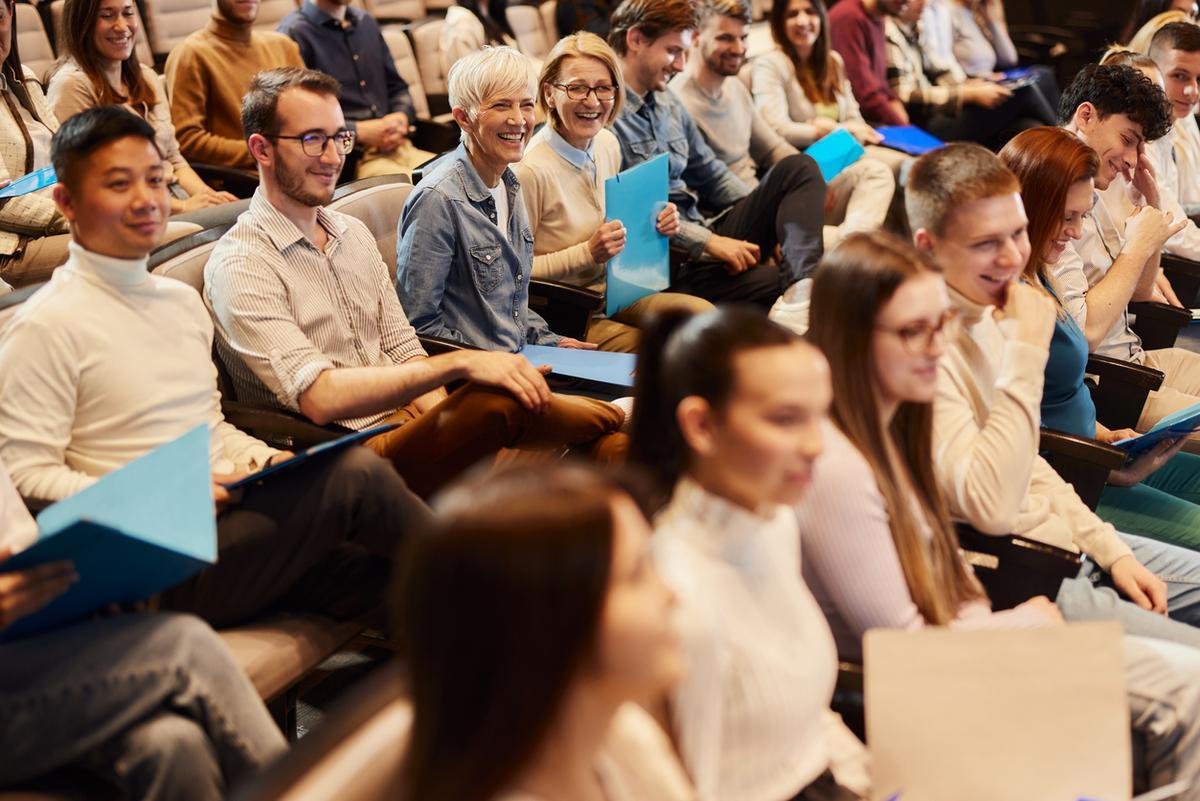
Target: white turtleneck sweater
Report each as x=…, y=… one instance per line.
x=103, y=365
x=752, y=717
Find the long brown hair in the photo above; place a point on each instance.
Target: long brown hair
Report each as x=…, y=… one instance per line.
x=1048, y=162
x=78, y=29
x=818, y=76
x=853, y=284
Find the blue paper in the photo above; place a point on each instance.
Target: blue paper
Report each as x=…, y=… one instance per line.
x=635, y=197
x=138, y=531
x=302, y=457
x=908, y=139
x=1173, y=426
x=835, y=152
x=604, y=367
x=38, y=179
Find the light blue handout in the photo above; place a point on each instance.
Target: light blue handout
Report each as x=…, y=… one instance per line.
x=635, y=197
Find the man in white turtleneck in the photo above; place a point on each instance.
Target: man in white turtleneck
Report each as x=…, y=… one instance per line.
x=108, y=362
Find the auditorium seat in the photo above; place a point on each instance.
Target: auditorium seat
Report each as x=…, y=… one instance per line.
x=171, y=21
x=426, y=38
x=34, y=45
x=377, y=202
x=406, y=64
x=385, y=11
x=527, y=25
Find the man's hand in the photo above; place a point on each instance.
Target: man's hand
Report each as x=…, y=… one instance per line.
x=511, y=372
x=23, y=592
x=370, y=133
x=1033, y=311
x=737, y=255
x=988, y=95
x=607, y=242
x=667, y=223
x=576, y=344
x=1143, y=178
x=1139, y=585
x=1163, y=288
x=1151, y=228
x=222, y=497
x=1145, y=465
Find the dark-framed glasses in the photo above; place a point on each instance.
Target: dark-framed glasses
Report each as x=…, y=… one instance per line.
x=917, y=338
x=580, y=91
x=313, y=143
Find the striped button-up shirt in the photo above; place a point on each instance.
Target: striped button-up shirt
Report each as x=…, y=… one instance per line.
x=286, y=311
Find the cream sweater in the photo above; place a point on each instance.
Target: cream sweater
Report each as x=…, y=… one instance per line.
x=783, y=104
x=986, y=426
x=102, y=366
x=565, y=207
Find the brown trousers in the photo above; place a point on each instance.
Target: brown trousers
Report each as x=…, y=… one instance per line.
x=429, y=450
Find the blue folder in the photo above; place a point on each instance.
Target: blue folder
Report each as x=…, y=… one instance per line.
x=38, y=179
x=309, y=453
x=1173, y=426
x=138, y=531
x=908, y=139
x=835, y=152
x=635, y=197
x=603, y=367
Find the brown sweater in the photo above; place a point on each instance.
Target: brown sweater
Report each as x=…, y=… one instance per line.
x=207, y=75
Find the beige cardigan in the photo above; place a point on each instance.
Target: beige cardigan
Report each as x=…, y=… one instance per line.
x=987, y=419
x=783, y=104
x=32, y=215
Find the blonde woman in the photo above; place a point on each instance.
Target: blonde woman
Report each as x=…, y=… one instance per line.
x=580, y=91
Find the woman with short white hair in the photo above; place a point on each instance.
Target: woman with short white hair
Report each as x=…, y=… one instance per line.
x=580, y=92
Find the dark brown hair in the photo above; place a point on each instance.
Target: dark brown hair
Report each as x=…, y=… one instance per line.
x=852, y=285
x=818, y=76
x=260, y=106
x=78, y=29
x=652, y=17
x=497, y=608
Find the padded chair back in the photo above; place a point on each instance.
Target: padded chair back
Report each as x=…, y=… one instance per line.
x=378, y=202
x=141, y=42
x=406, y=65
x=438, y=5
x=396, y=9
x=36, y=51
x=272, y=12
x=427, y=45
x=526, y=22
x=184, y=259
x=550, y=21
x=171, y=21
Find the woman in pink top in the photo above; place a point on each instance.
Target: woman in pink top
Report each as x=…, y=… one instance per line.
x=885, y=554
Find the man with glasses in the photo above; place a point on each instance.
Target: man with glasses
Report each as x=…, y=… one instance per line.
x=308, y=319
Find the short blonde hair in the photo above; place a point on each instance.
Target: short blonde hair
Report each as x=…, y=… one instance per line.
x=486, y=73
x=580, y=45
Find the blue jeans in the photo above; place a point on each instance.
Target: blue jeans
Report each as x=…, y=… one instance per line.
x=1092, y=596
x=153, y=702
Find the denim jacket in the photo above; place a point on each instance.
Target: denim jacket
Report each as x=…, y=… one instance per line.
x=457, y=276
x=658, y=123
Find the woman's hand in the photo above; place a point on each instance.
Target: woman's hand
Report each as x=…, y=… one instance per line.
x=1143, y=466
x=668, y=221
x=607, y=242
x=864, y=133
x=824, y=126
x=24, y=592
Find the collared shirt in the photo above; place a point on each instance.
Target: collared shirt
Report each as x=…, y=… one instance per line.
x=579, y=159
x=355, y=54
x=286, y=311
x=906, y=72
x=659, y=123
x=1081, y=266
x=457, y=275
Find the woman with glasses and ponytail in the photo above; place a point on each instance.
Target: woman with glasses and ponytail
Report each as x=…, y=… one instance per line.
x=885, y=555
x=580, y=91
x=731, y=409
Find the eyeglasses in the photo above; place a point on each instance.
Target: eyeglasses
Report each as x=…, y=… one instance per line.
x=313, y=144
x=917, y=338
x=580, y=91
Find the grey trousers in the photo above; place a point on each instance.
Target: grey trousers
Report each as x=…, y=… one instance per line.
x=151, y=701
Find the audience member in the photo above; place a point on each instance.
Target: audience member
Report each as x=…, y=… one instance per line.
x=207, y=75
x=888, y=556
x=1140, y=43
x=856, y=31
x=937, y=41
x=981, y=41
x=100, y=68
x=89, y=383
x=857, y=199
x=1145, y=10
x=1175, y=48
x=343, y=41
x=1153, y=495
x=974, y=109
x=965, y=209
x=471, y=24
x=563, y=177
x=307, y=318
x=465, y=251
x=800, y=85
x=727, y=251
x=1115, y=110
x=730, y=410
x=543, y=575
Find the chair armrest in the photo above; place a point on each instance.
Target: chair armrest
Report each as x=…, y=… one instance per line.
x=1014, y=569
x=238, y=182
x=1110, y=369
x=435, y=137
x=1083, y=463
x=1122, y=390
x=1158, y=324
x=566, y=308
x=276, y=427
x=849, y=699
x=437, y=345
x=1184, y=275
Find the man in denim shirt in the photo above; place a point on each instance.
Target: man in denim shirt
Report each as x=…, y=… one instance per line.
x=465, y=249
x=727, y=229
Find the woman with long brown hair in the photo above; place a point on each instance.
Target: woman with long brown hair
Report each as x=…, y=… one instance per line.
x=99, y=67
x=533, y=621
x=1158, y=494
x=886, y=555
